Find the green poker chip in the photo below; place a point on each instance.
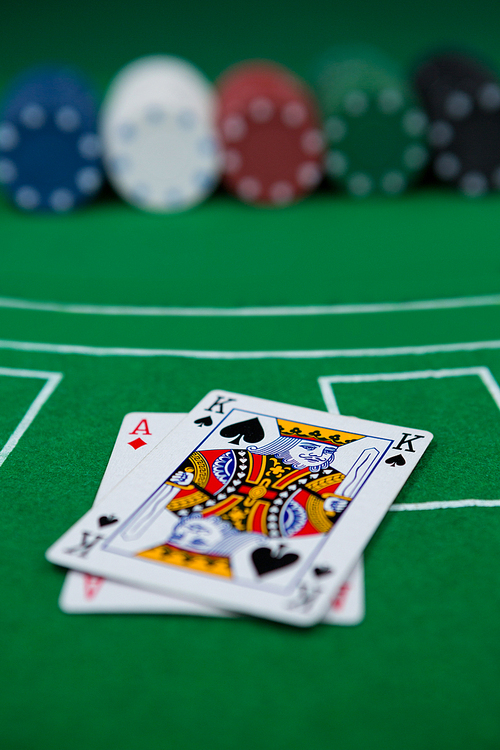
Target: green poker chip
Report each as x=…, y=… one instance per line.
x=374, y=128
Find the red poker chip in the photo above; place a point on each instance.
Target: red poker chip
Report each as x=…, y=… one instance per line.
x=271, y=133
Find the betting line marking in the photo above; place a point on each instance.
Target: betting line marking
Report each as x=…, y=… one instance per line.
x=325, y=383
x=113, y=351
x=396, y=351
x=484, y=373
x=53, y=379
x=486, y=300
x=444, y=504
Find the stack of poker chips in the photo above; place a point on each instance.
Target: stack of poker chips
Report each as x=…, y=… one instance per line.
x=462, y=98
x=271, y=134
x=157, y=126
x=374, y=128
x=49, y=149
x=166, y=135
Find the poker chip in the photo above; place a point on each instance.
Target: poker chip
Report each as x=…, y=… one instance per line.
x=49, y=149
x=271, y=133
x=462, y=98
x=157, y=126
x=374, y=129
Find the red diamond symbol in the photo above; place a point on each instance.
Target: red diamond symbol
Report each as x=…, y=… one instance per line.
x=137, y=443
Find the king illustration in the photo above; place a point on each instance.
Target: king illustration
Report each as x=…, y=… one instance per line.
x=227, y=499
x=285, y=488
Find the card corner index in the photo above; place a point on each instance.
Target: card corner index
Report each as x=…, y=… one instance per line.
x=410, y=435
x=215, y=400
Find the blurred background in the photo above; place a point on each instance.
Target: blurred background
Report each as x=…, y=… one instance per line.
x=102, y=36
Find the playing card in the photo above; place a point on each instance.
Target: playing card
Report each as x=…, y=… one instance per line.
x=84, y=593
x=139, y=434
x=249, y=505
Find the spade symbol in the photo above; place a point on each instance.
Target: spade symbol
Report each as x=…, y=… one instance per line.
x=251, y=431
x=266, y=560
x=107, y=520
x=203, y=421
x=396, y=460
x=324, y=570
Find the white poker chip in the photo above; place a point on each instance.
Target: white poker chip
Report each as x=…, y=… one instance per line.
x=165, y=65
x=161, y=76
x=158, y=134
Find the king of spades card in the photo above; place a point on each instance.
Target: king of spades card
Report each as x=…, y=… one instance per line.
x=229, y=497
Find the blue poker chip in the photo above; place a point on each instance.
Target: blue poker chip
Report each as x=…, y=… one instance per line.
x=49, y=148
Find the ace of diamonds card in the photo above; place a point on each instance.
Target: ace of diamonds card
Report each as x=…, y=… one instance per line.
x=249, y=505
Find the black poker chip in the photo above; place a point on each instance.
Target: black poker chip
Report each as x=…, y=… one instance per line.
x=461, y=96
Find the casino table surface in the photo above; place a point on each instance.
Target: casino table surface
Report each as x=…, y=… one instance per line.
x=110, y=310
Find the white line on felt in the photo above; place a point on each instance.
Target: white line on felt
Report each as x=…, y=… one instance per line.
x=53, y=379
x=326, y=381
x=112, y=351
x=445, y=504
x=486, y=300
x=484, y=373
x=16, y=373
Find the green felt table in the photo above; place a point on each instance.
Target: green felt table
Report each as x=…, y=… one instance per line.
x=139, y=312
x=422, y=669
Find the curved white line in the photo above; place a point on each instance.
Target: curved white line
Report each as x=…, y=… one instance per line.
x=445, y=504
x=242, y=312
x=113, y=351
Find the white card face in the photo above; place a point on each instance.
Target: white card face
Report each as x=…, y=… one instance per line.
x=249, y=505
x=139, y=433
x=83, y=593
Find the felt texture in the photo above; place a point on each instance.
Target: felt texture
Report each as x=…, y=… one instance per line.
x=422, y=670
